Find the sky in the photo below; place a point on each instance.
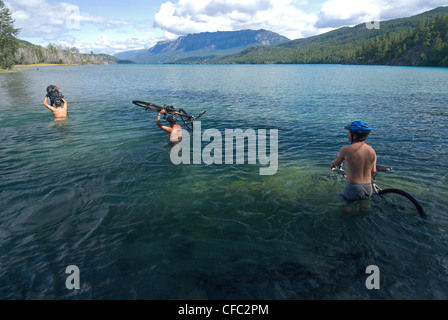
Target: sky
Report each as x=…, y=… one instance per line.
x=112, y=26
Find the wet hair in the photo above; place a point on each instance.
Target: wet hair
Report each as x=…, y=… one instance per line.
x=172, y=119
x=360, y=136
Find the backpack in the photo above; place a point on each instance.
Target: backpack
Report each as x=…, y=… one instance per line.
x=54, y=95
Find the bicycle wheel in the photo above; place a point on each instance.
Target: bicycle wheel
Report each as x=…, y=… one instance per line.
x=402, y=201
x=187, y=120
x=147, y=105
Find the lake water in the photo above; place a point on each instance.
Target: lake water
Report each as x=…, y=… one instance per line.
x=99, y=190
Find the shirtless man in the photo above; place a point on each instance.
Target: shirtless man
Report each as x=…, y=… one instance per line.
x=174, y=130
x=58, y=111
x=360, y=163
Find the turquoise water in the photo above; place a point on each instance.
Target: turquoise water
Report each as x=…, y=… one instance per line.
x=99, y=190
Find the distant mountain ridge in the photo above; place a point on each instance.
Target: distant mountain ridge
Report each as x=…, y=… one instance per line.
x=334, y=47
x=203, y=44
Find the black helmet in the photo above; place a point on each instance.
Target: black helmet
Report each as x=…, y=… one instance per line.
x=172, y=119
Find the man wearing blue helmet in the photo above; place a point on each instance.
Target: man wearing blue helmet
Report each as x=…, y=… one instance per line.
x=174, y=130
x=360, y=162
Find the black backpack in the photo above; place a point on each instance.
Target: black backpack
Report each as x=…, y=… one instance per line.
x=54, y=95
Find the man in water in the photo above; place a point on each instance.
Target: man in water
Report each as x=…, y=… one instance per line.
x=60, y=112
x=174, y=130
x=360, y=162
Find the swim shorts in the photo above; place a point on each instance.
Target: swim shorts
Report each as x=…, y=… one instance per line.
x=353, y=191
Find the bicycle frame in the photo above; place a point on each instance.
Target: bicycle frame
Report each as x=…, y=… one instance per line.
x=186, y=118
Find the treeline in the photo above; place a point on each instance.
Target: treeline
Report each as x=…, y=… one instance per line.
x=8, y=40
x=14, y=51
x=425, y=45
x=56, y=54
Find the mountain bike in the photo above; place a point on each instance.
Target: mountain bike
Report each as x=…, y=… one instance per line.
x=398, y=199
x=186, y=118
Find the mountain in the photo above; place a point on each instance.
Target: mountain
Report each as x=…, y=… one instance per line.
x=203, y=44
x=425, y=45
x=338, y=46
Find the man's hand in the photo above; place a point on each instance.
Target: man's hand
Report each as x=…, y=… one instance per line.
x=158, y=122
x=47, y=105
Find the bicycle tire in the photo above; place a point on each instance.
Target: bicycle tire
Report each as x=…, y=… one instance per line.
x=417, y=205
x=187, y=120
x=147, y=105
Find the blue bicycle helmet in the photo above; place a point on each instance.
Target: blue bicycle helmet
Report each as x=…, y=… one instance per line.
x=358, y=126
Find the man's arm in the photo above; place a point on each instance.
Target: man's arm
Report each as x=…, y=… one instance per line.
x=159, y=123
x=65, y=103
x=340, y=158
x=47, y=105
x=374, y=166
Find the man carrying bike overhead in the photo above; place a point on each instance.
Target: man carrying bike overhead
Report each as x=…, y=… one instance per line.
x=174, y=130
x=360, y=162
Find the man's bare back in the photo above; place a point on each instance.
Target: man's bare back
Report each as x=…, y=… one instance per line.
x=60, y=112
x=176, y=134
x=360, y=162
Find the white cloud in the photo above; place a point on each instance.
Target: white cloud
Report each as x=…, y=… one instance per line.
x=403, y=8
x=112, y=45
x=106, y=44
x=286, y=17
x=43, y=22
x=50, y=21
x=193, y=16
x=337, y=13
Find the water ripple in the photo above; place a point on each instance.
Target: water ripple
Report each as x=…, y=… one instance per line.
x=99, y=189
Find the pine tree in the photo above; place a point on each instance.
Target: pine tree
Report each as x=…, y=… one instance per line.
x=8, y=40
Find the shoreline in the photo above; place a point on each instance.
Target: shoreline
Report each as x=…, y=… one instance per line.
x=45, y=65
x=12, y=71
x=25, y=67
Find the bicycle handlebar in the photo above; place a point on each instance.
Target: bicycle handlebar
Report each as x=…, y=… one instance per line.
x=339, y=170
x=378, y=170
x=383, y=169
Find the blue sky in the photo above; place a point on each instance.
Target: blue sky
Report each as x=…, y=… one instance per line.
x=111, y=26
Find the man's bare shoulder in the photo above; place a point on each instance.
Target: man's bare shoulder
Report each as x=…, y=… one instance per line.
x=166, y=129
x=368, y=147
